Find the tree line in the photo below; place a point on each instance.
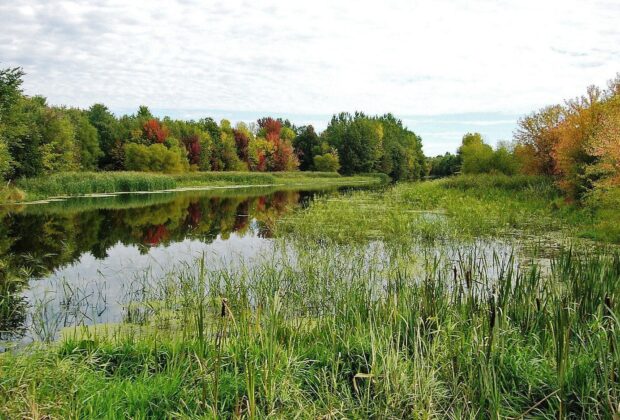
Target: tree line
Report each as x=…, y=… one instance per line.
x=37, y=139
x=577, y=143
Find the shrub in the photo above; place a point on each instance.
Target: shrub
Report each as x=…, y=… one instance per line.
x=326, y=163
x=154, y=158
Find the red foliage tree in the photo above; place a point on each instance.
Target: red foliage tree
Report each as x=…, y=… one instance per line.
x=155, y=132
x=241, y=141
x=283, y=155
x=272, y=127
x=192, y=145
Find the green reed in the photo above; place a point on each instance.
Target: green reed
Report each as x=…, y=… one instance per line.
x=321, y=330
x=84, y=183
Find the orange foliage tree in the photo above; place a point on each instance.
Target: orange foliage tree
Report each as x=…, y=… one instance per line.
x=578, y=143
x=154, y=132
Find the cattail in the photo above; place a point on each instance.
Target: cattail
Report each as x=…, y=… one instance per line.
x=468, y=279
x=607, y=305
x=538, y=304
x=454, y=272
x=224, y=307
x=492, y=311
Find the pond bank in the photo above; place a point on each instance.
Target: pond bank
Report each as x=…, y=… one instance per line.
x=90, y=184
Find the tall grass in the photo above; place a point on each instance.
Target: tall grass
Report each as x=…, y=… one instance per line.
x=335, y=331
x=83, y=183
x=79, y=183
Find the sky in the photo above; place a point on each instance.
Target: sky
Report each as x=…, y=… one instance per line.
x=445, y=67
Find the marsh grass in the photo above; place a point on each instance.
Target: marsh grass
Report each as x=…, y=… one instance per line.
x=83, y=183
x=79, y=183
x=337, y=331
x=448, y=209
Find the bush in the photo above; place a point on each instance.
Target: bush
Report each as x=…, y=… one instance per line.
x=326, y=163
x=154, y=158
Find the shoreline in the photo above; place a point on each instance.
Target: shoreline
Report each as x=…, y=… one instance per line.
x=213, y=181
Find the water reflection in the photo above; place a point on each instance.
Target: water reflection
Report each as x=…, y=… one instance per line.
x=92, y=244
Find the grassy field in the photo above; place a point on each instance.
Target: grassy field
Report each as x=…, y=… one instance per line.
x=418, y=301
x=84, y=183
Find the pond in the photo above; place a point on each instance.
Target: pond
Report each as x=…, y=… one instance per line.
x=69, y=262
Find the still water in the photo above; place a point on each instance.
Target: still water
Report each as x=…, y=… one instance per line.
x=82, y=253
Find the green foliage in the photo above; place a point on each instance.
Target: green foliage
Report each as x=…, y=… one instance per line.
x=327, y=163
x=23, y=134
x=306, y=144
x=86, y=139
x=6, y=160
x=154, y=158
x=108, y=133
x=375, y=144
x=358, y=141
x=477, y=157
x=10, y=96
x=444, y=165
x=402, y=158
x=224, y=152
x=59, y=152
x=504, y=160
x=10, y=89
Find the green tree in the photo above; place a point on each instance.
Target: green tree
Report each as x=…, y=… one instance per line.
x=108, y=134
x=444, y=165
x=86, y=139
x=59, y=151
x=10, y=89
x=22, y=132
x=6, y=160
x=10, y=95
x=305, y=143
x=476, y=156
x=504, y=160
x=402, y=150
x=358, y=141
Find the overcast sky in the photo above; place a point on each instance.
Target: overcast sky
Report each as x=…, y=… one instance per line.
x=444, y=67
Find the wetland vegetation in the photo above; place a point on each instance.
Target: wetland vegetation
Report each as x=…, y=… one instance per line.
x=390, y=303
x=490, y=293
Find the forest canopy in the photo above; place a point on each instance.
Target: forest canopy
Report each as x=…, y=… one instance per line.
x=37, y=139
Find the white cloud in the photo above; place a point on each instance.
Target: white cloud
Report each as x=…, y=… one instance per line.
x=313, y=58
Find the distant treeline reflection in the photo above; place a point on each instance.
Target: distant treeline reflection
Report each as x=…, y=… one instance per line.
x=42, y=239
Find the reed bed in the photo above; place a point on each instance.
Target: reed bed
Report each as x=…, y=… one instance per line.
x=84, y=183
x=447, y=209
x=325, y=330
x=80, y=183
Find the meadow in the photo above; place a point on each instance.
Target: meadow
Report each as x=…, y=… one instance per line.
x=469, y=297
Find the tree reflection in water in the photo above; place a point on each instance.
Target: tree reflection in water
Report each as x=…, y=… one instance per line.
x=36, y=240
